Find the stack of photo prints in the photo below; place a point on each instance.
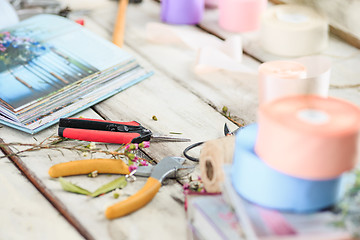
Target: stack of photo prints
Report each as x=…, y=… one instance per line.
x=51, y=67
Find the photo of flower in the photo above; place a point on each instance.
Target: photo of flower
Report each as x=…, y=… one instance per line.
x=17, y=50
x=31, y=69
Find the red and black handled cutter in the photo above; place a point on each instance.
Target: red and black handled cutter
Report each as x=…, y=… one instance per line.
x=95, y=130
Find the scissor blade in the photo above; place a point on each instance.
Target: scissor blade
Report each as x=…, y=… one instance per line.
x=226, y=130
x=167, y=138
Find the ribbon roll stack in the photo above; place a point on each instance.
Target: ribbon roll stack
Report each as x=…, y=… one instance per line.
x=182, y=11
x=259, y=183
x=240, y=15
x=291, y=30
x=309, y=137
x=295, y=159
x=307, y=75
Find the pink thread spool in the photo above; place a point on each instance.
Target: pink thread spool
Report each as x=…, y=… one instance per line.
x=240, y=15
x=187, y=12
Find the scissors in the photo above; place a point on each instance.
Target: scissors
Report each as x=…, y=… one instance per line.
x=95, y=130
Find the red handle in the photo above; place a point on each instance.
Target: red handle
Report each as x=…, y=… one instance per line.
x=99, y=136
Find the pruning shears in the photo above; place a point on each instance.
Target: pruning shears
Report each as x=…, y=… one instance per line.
x=95, y=130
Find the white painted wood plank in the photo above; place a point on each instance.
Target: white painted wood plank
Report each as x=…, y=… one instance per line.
x=25, y=213
x=165, y=98
x=236, y=91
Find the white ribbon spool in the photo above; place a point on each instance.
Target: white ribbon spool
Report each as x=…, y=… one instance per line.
x=292, y=30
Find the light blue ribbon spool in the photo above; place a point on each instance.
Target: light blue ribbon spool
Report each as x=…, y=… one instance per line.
x=257, y=182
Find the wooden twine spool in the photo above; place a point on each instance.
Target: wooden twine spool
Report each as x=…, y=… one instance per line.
x=213, y=155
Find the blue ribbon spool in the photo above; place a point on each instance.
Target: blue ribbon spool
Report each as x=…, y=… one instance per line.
x=259, y=183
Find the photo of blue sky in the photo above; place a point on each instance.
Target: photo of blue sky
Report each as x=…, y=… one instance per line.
x=32, y=68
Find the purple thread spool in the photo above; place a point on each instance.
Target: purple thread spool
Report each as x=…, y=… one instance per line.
x=182, y=11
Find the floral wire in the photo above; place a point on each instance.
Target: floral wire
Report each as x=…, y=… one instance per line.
x=189, y=148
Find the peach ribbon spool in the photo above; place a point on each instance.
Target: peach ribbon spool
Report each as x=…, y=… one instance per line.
x=307, y=75
x=309, y=137
x=292, y=30
x=240, y=15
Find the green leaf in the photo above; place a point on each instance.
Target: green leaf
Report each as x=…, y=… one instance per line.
x=117, y=183
x=70, y=187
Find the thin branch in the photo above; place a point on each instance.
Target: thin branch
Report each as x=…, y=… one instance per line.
x=51, y=146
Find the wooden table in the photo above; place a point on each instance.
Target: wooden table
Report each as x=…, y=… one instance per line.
x=181, y=100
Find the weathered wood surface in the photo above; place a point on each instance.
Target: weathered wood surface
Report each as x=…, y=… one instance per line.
x=182, y=101
x=177, y=109
x=217, y=89
x=24, y=212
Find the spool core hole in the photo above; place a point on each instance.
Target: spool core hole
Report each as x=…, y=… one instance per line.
x=313, y=116
x=209, y=170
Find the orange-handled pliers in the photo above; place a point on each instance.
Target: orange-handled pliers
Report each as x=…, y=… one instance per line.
x=167, y=167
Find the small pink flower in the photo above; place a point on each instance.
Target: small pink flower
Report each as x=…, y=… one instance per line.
x=132, y=167
x=143, y=163
x=145, y=144
x=134, y=146
x=186, y=186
